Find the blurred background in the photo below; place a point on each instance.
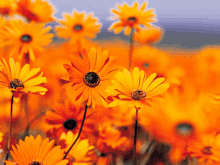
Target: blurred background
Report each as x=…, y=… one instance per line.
x=188, y=24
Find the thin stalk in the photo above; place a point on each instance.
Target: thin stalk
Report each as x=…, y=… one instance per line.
x=185, y=162
x=135, y=139
x=26, y=60
x=131, y=49
x=80, y=130
x=119, y=160
x=114, y=156
x=10, y=131
x=149, y=152
x=26, y=111
x=150, y=144
x=29, y=124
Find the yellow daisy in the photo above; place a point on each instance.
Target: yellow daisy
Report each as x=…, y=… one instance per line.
x=78, y=26
x=21, y=80
x=26, y=38
x=81, y=152
x=33, y=151
x=135, y=90
x=131, y=17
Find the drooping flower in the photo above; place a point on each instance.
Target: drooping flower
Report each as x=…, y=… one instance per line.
x=21, y=80
x=33, y=151
x=26, y=38
x=78, y=26
x=148, y=36
x=131, y=17
x=110, y=139
x=68, y=117
x=90, y=75
x=135, y=90
x=36, y=10
x=206, y=149
x=82, y=152
x=7, y=7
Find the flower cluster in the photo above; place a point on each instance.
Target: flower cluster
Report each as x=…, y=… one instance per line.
x=80, y=101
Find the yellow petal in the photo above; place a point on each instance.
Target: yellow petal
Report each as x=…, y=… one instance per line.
x=31, y=73
x=149, y=80
x=143, y=6
x=24, y=71
x=136, y=78
x=12, y=67
x=154, y=84
x=35, y=81
x=158, y=90
x=118, y=29
x=127, y=30
x=31, y=54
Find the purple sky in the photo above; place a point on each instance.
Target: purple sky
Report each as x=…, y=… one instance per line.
x=187, y=23
x=164, y=8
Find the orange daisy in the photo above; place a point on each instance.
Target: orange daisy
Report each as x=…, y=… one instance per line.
x=26, y=38
x=179, y=121
x=131, y=17
x=21, y=80
x=36, y=10
x=90, y=75
x=7, y=7
x=68, y=117
x=135, y=90
x=42, y=152
x=206, y=150
x=111, y=139
x=78, y=26
x=82, y=152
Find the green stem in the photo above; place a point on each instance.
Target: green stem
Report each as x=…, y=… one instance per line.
x=29, y=124
x=131, y=49
x=10, y=131
x=149, y=152
x=26, y=111
x=80, y=130
x=26, y=61
x=135, y=139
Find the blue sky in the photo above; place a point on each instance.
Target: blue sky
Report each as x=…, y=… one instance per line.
x=164, y=8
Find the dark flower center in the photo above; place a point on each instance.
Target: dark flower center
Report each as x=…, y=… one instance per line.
x=206, y=150
x=16, y=83
x=132, y=19
x=184, y=129
x=103, y=154
x=26, y=38
x=138, y=94
x=123, y=128
x=91, y=79
x=77, y=27
x=35, y=163
x=146, y=65
x=70, y=124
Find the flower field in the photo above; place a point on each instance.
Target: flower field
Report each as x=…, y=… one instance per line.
x=70, y=98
